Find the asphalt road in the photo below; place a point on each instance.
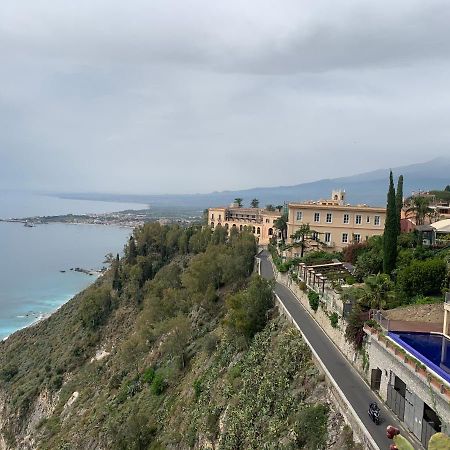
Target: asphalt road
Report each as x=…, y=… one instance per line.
x=354, y=388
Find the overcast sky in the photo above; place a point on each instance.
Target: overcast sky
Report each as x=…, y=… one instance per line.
x=150, y=96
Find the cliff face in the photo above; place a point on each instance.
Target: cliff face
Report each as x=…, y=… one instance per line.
x=171, y=349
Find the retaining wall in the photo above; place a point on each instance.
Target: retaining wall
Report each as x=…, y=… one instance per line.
x=360, y=433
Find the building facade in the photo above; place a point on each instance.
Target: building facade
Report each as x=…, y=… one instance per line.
x=258, y=220
x=336, y=223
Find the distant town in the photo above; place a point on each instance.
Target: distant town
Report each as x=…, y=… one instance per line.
x=128, y=218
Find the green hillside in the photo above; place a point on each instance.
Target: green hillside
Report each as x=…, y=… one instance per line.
x=177, y=346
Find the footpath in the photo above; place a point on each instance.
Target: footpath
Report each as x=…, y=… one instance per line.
x=349, y=390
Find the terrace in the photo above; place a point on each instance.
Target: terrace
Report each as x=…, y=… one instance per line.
x=327, y=280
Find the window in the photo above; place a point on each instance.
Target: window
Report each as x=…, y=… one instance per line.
x=299, y=215
x=258, y=230
x=344, y=238
x=346, y=218
x=316, y=217
x=329, y=218
x=327, y=238
x=368, y=219
x=212, y=216
x=212, y=224
x=357, y=238
x=253, y=230
x=358, y=219
x=270, y=231
x=267, y=220
x=376, y=220
x=315, y=236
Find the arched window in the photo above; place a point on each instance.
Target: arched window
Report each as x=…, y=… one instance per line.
x=240, y=227
x=270, y=231
x=234, y=225
x=258, y=231
x=212, y=224
x=253, y=229
x=226, y=226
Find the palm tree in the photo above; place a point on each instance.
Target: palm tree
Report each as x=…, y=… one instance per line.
x=254, y=203
x=281, y=224
x=238, y=201
x=302, y=237
x=377, y=291
x=279, y=207
x=420, y=207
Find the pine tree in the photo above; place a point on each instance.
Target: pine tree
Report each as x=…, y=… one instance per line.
x=399, y=202
x=390, y=231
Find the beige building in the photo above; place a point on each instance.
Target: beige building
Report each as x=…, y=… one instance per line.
x=336, y=223
x=260, y=221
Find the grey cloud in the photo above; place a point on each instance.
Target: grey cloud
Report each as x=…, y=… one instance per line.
x=196, y=96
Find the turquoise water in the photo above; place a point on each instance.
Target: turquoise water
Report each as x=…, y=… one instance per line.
x=31, y=259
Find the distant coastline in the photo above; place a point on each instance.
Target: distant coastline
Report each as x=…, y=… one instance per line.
x=128, y=219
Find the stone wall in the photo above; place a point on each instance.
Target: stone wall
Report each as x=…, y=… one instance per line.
x=382, y=358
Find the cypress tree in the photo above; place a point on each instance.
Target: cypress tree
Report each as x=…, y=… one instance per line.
x=390, y=231
x=117, y=282
x=132, y=252
x=399, y=202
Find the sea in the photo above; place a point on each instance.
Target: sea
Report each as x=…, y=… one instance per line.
x=36, y=262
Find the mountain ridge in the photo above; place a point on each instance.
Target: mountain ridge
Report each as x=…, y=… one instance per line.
x=368, y=187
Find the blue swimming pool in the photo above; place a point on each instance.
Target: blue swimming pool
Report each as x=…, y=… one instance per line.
x=431, y=349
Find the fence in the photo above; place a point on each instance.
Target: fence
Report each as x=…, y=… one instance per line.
x=403, y=325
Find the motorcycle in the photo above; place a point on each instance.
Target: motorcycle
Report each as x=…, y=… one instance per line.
x=374, y=413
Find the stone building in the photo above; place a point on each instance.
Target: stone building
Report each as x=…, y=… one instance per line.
x=337, y=224
x=259, y=221
x=420, y=401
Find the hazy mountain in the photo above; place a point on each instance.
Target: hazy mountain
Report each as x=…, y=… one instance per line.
x=370, y=188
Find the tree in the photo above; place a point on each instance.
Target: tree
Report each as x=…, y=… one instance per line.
x=132, y=252
x=302, y=237
x=279, y=207
x=254, y=203
x=117, y=282
x=377, y=291
x=247, y=310
x=399, y=202
x=422, y=277
x=179, y=333
x=420, y=207
x=219, y=235
x=238, y=201
x=270, y=207
x=281, y=224
x=390, y=231
x=447, y=188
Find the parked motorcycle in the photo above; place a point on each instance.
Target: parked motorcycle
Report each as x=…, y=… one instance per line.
x=374, y=413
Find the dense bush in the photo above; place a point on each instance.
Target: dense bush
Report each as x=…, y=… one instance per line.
x=311, y=427
x=314, y=300
x=247, y=310
x=334, y=319
x=352, y=251
x=354, y=332
x=422, y=277
x=95, y=307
